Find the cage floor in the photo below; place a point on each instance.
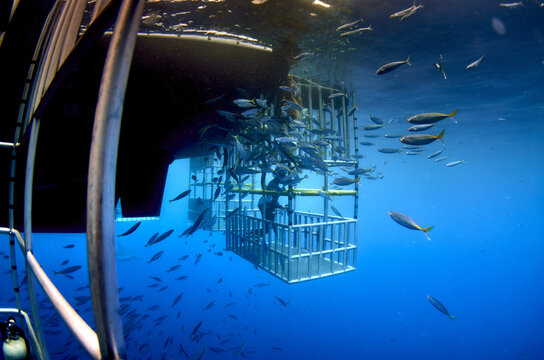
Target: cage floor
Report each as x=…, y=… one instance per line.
x=302, y=268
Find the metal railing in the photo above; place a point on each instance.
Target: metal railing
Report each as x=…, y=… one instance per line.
x=311, y=247
x=55, y=45
x=83, y=333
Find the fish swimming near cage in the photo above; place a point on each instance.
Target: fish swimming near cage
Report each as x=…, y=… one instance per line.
x=181, y=196
x=429, y=118
x=344, y=181
x=409, y=223
x=392, y=66
x=131, y=230
x=421, y=139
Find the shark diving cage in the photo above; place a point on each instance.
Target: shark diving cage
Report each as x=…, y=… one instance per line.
x=297, y=245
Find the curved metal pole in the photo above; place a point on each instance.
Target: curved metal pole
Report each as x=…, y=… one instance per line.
x=101, y=182
x=29, y=180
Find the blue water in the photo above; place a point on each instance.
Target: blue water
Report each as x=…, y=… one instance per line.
x=484, y=262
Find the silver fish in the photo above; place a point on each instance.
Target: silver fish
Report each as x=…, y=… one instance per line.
x=440, y=66
x=511, y=5
x=442, y=158
x=244, y=103
x=392, y=66
x=475, y=63
x=435, y=154
x=453, y=163
x=348, y=25
x=421, y=127
x=357, y=31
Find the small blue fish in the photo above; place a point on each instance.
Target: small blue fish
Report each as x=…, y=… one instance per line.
x=244, y=103
x=439, y=306
x=293, y=105
x=251, y=113
x=131, y=230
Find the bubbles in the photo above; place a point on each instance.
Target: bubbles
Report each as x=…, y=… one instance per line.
x=498, y=26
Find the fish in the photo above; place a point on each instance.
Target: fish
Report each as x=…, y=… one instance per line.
x=287, y=88
x=251, y=113
x=70, y=246
x=403, y=14
x=68, y=270
x=198, y=257
x=511, y=5
x=324, y=195
x=436, y=153
x=64, y=262
x=182, y=350
x=260, y=285
x=439, y=306
x=359, y=171
x=281, y=301
x=440, y=66
x=217, y=191
x=337, y=95
x=389, y=150
x=194, y=178
x=454, y=163
x=422, y=139
x=442, y=158
x=131, y=230
x=429, y=118
x=173, y=268
x=392, y=66
x=366, y=143
x=156, y=278
x=240, y=353
x=392, y=136
x=409, y=223
x=181, y=196
x=357, y=31
x=241, y=150
x=475, y=63
x=177, y=299
x=196, y=328
x=151, y=241
x=213, y=100
x=262, y=103
x=293, y=105
x=191, y=229
x=156, y=256
x=303, y=54
x=422, y=127
x=182, y=277
x=244, y=103
x=335, y=210
x=376, y=120
x=344, y=181
x=210, y=305
x=373, y=127
x=163, y=236
x=349, y=25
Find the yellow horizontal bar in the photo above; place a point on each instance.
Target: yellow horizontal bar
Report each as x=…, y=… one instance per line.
x=296, y=192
